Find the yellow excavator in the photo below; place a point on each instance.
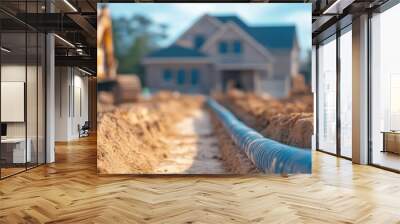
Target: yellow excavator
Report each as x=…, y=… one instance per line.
x=118, y=88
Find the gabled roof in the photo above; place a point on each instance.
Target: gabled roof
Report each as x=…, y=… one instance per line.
x=175, y=51
x=231, y=18
x=269, y=36
x=231, y=26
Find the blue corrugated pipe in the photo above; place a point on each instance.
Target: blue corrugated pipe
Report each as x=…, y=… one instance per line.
x=267, y=155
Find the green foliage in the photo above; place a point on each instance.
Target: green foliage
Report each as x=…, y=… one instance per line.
x=131, y=61
x=134, y=38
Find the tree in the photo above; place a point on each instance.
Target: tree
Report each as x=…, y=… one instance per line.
x=133, y=39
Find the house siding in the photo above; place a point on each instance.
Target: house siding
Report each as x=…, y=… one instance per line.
x=206, y=78
x=248, y=55
x=203, y=27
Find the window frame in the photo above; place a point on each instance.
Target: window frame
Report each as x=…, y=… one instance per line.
x=333, y=37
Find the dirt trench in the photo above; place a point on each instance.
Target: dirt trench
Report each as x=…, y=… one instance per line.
x=175, y=134
x=194, y=147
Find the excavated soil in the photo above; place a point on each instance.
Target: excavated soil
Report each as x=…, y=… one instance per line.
x=132, y=139
x=168, y=134
x=289, y=120
x=174, y=134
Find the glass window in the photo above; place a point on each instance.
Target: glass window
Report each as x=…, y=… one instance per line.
x=198, y=41
x=22, y=102
x=167, y=75
x=195, y=77
x=181, y=77
x=237, y=46
x=327, y=96
x=18, y=152
x=41, y=99
x=346, y=94
x=385, y=89
x=223, y=47
x=31, y=99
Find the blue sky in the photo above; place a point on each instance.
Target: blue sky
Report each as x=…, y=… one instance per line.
x=180, y=16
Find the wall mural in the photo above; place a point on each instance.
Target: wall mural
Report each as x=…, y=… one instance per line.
x=215, y=90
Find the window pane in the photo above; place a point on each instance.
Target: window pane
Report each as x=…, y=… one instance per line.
x=167, y=75
x=327, y=97
x=237, y=47
x=385, y=88
x=346, y=94
x=195, y=77
x=181, y=77
x=223, y=47
x=198, y=41
x=14, y=154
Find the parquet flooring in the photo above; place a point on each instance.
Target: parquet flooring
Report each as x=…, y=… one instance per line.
x=70, y=191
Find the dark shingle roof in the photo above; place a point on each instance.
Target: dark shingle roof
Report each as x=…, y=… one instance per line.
x=176, y=51
x=274, y=36
x=268, y=36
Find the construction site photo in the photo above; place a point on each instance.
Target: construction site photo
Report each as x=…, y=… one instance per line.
x=216, y=90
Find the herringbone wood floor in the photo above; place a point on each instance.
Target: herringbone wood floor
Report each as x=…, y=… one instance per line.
x=70, y=191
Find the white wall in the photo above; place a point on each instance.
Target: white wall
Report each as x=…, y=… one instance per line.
x=33, y=126
x=62, y=81
x=12, y=73
x=9, y=73
x=71, y=94
x=80, y=96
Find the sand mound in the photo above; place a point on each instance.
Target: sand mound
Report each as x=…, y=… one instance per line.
x=289, y=120
x=131, y=137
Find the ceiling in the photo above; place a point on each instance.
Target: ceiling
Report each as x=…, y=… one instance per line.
x=329, y=15
x=74, y=22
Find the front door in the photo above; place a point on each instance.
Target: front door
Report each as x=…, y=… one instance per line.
x=234, y=79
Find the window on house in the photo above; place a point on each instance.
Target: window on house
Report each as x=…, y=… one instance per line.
x=198, y=41
x=167, y=75
x=195, y=77
x=237, y=46
x=181, y=77
x=223, y=47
